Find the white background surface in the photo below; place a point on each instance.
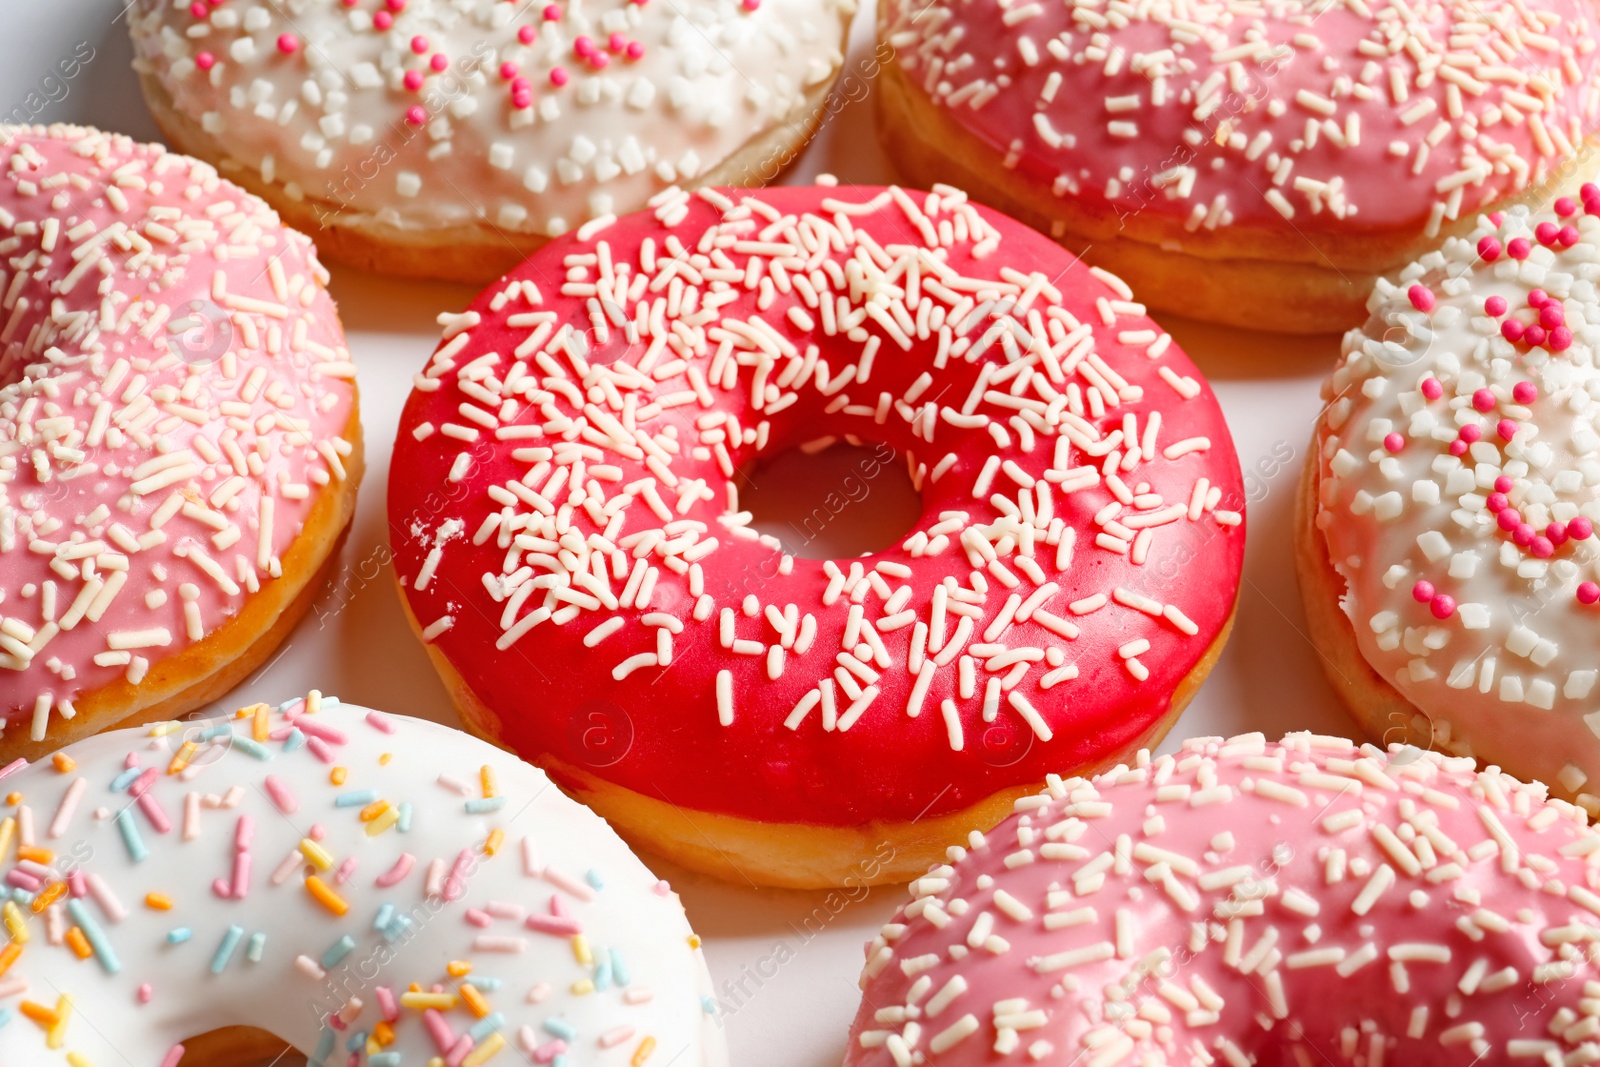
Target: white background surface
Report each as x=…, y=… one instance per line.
x=786, y=961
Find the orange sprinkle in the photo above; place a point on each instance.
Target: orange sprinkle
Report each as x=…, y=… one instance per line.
x=325, y=896
x=64, y=763
x=13, y=799
x=694, y=940
x=181, y=760
x=338, y=775
x=8, y=956
x=497, y=837
x=373, y=810
x=383, y=1033
x=79, y=944
x=414, y=988
x=158, y=901
x=52, y=893
x=35, y=853
x=45, y=1017
x=642, y=1053
x=458, y=968
x=486, y=775
x=475, y=1002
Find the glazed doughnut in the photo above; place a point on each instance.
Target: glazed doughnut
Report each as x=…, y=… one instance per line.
x=1302, y=902
x=450, y=138
x=1257, y=166
x=179, y=441
x=1446, y=549
x=370, y=890
x=567, y=531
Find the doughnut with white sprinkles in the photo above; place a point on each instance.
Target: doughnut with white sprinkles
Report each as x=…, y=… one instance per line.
x=1451, y=500
x=373, y=890
x=179, y=442
x=1243, y=902
x=449, y=138
x=566, y=525
x=1252, y=163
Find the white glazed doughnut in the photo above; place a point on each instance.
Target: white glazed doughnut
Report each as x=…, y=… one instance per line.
x=297, y=870
x=179, y=440
x=449, y=138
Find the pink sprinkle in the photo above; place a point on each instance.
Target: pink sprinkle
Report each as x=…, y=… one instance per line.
x=455, y=883
x=551, y=924
x=1432, y=389
x=1588, y=593
x=479, y=918
x=380, y=722
x=1504, y=484
x=1506, y=429
x=387, y=1003
x=599, y=60
x=617, y=42
x=1538, y=298
x=1489, y=248
x=1560, y=339
x=76, y=884
x=1497, y=217
x=1422, y=592
x=1495, y=305
x=1523, y=535
x=317, y=832
x=1394, y=442
x=1511, y=330
x=1580, y=529
x=396, y=6
x=1524, y=392
x=141, y=785
x=1551, y=316
x=419, y=44
x=288, y=44
x=313, y=727
x=1471, y=433
x=1497, y=503
x=198, y=9
x=459, y=1051
x=144, y=994
x=443, y=1036
x=527, y=33
x=1589, y=191
x=281, y=795
x=1542, y=547
x=1565, y=207
x=154, y=812
x=1546, y=232
x=205, y=60
x=1557, y=533
x=1508, y=519
x=1458, y=447
x=383, y=20
x=241, y=876
x=635, y=50
x=1421, y=297
x=413, y=80
x=174, y=1054
x=222, y=888
x=1483, y=400
x=751, y=5
x=1534, y=335
x=394, y=875
x=1568, y=236
x=1519, y=247
x=439, y=62
x=547, y=1052
x=558, y=76
x=1443, y=606
x=23, y=880
x=346, y=869
x=508, y=70
x=552, y=13
x=416, y=116
x=522, y=99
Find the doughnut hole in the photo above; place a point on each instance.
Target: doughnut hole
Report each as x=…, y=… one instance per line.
x=831, y=499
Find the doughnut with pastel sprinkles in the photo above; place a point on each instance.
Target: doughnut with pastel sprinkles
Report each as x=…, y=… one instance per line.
x=1259, y=164
x=1239, y=902
x=1447, y=548
x=179, y=438
x=371, y=890
x=450, y=138
x=565, y=518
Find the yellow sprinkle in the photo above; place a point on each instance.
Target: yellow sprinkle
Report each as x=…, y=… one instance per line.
x=79, y=944
x=496, y=839
x=318, y=855
x=475, y=1002
x=583, y=987
x=16, y=922
x=383, y=822
x=8, y=830
x=52, y=893
x=64, y=763
x=423, y=1001
x=162, y=729
x=36, y=854
x=325, y=896
x=78, y=1059
x=57, y=1035
x=458, y=968
x=694, y=940
x=259, y=728
x=383, y=760
x=181, y=760
x=485, y=1052
x=313, y=702
x=158, y=901
x=642, y=1053
x=580, y=949
x=487, y=777
x=373, y=810
x=338, y=775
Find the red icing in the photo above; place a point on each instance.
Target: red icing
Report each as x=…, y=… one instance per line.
x=658, y=732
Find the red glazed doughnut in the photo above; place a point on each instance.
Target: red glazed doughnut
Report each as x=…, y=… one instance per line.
x=179, y=440
x=1249, y=164
x=1240, y=902
x=568, y=536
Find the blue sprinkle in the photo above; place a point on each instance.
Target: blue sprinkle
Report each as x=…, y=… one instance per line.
x=561, y=1060
x=486, y=984
x=329, y=702
x=592, y=876
x=294, y=740
x=404, y=825
x=483, y=805
x=230, y=941
x=602, y=973
x=359, y=799
x=130, y=836
x=179, y=936
x=384, y=1059
x=324, y=1045
x=94, y=935
x=561, y=1028
x=619, y=969
x=708, y=1005
x=258, y=945
x=385, y=916
x=397, y=928
x=6, y=1015
x=251, y=746
x=285, y=706
x=22, y=896
x=337, y=952
x=486, y=1026
x=357, y=1042
x=122, y=781
x=211, y=733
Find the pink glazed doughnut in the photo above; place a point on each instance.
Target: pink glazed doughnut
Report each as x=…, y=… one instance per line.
x=179, y=441
x=566, y=525
x=1255, y=164
x=1302, y=902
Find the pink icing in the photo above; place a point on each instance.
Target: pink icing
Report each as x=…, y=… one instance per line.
x=736, y=717
x=150, y=309
x=1220, y=112
x=1244, y=902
